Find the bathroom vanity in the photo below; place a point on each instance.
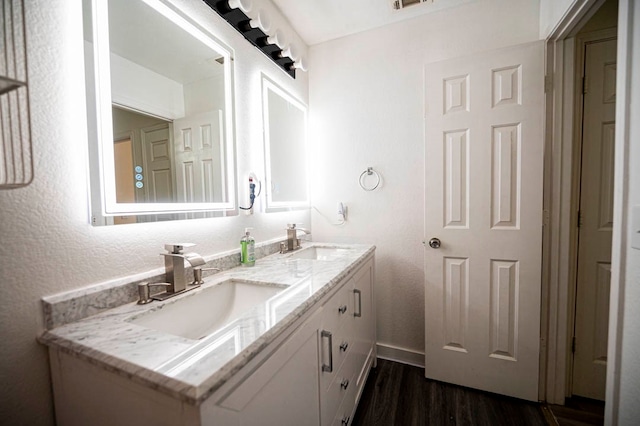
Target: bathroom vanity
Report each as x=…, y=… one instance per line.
x=287, y=342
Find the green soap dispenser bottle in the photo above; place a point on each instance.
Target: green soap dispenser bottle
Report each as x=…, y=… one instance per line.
x=247, y=249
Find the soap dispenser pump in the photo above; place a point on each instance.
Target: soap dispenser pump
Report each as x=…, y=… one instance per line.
x=247, y=249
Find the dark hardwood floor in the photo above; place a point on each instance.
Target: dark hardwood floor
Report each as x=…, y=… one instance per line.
x=399, y=395
x=578, y=411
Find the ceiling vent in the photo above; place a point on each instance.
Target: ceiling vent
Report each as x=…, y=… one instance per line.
x=401, y=4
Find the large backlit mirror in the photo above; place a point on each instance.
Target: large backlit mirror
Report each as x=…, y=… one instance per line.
x=285, y=143
x=159, y=90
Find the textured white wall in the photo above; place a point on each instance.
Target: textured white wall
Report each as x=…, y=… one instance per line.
x=46, y=243
x=366, y=109
x=551, y=12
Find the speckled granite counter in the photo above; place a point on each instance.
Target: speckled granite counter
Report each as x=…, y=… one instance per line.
x=192, y=370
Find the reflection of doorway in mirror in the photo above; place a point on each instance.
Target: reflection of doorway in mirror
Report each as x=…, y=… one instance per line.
x=199, y=157
x=125, y=184
x=157, y=164
x=150, y=149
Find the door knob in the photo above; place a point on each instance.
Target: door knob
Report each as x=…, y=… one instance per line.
x=434, y=243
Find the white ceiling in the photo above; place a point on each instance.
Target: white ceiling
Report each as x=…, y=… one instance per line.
x=317, y=21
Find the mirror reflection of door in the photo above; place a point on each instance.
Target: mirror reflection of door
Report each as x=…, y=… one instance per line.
x=157, y=163
x=149, y=151
x=199, y=154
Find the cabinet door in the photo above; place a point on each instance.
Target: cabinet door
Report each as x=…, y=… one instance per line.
x=285, y=389
x=363, y=318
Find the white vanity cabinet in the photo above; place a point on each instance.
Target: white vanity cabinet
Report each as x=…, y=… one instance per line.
x=317, y=375
x=312, y=373
x=347, y=347
x=282, y=391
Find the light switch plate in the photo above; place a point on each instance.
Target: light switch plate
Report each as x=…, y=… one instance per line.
x=635, y=227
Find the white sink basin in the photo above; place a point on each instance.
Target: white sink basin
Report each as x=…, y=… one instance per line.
x=320, y=253
x=201, y=312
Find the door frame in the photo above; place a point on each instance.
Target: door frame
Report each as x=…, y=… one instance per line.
x=558, y=136
x=559, y=199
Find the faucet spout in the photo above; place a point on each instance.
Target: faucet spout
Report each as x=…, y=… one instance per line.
x=194, y=259
x=293, y=242
x=174, y=265
x=175, y=273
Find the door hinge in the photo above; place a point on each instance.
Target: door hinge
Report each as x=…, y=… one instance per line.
x=573, y=345
x=548, y=83
x=579, y=221
x=584, y=85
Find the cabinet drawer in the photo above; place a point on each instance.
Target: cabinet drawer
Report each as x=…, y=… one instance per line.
x=344, y=415
x=339, y=309
x=334, y=349
x=343, y=384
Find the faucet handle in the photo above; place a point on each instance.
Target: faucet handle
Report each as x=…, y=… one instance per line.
x=144, y=291
x=197, y=274
x=176, y=248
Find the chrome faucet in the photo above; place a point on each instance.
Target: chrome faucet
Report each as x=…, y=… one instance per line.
x=174, y=265
x=175, y=274
x=293, y=242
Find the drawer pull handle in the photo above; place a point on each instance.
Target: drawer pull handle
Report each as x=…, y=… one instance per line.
x=342, y=309
x=345, y=420
x=359, y=294
x=328, y=367
x=344, y=384
x=344, y=346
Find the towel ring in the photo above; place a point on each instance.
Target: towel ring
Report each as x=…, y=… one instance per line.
x=369, y=172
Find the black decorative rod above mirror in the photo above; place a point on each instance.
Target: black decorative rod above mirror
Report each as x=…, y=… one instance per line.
x=255, y=31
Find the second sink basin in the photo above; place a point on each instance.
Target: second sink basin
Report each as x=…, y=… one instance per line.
x=201, y=312
x=320, y=253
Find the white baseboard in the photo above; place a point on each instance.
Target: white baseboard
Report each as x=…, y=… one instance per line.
x=402, y=355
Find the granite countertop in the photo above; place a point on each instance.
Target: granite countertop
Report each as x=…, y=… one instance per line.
x=191, y=369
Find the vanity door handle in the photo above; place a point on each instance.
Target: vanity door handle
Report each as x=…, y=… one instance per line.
x=344, y=384
x=359, y=294
x=344, y=346
x=345, y=420
x=328, y=367
x=342, y=309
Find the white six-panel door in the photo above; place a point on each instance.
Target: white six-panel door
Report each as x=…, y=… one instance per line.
x=596, y=212
x=484, y=181
x=199, y=154
x=157, y=163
